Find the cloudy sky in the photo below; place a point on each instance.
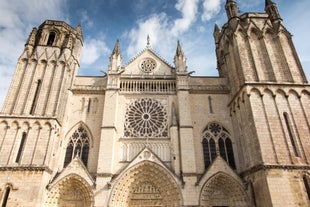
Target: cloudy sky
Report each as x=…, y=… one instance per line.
x=130, y=21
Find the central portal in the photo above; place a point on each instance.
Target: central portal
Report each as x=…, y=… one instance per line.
x=146, y=185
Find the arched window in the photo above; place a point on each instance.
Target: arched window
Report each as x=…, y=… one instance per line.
x=78, y=145
x=35, y=98
x=230, y=153
x=206, y=153
x=21, y=147
x=6, y=196
x=290, y=133
x=51, y=39
x=307, y=185
x=216, y=141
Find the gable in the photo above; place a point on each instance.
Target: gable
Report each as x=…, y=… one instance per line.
x=148, y=63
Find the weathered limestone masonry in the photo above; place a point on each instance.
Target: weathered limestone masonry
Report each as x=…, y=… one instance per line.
x=149, y=134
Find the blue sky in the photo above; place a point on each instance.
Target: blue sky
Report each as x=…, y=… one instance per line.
x=130, y=21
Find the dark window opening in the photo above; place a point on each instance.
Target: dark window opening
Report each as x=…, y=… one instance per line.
x=21, y=147
x=6, y=196
x=35, y=98
x=230, y=153
x=210, y=104
x=88, y=106
x=51, y=39
x=307, y=186
x=212, y=149
x=290, y=133
x=69, y=153
x=206, y=153
x=222, y=149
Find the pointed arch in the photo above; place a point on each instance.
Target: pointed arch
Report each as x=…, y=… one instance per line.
x=216, y=140
x=52, y=37
x=79, y=141
x=71, y=190
x=146, y=183
x=223, y=190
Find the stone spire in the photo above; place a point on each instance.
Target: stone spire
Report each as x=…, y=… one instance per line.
x=32, y=37
x=115, y=58
x=272, y=10
x=180, y=60
x=79, y=31
x=116, y=50
x=216, y=33
x=231, y=9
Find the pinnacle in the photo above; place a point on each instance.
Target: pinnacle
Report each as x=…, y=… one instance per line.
x=268, y=2
x=179, y=49
x=116, y=49
x=216, y=28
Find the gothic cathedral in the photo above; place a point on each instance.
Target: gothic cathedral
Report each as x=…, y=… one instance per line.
x=148, y=134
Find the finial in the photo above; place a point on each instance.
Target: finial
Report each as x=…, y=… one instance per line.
x=116, y=49
x=268, y=2
x=148, y=44
x=216, y=27
x=179, y=49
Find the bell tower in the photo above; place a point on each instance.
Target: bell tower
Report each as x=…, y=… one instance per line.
x=268, y=104
x=44, y=71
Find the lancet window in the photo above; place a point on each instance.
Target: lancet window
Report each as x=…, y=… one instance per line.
x=5, y=197
x=216, y=141
x=51, y=39
x=307, y=185
x=78, y=145
x=21, y=147
x=290, y=133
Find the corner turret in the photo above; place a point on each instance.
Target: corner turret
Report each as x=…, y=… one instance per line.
x=231, y=9
x=272, y=10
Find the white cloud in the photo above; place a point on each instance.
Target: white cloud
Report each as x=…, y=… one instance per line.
x=156, y=26
x=17, y=19
x=210, y=9
x=163, y=32
x=189, y=11
x=92, y=50
x=85, y=20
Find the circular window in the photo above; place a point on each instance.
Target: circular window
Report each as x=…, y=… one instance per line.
x=148, y=65
x=146, y=118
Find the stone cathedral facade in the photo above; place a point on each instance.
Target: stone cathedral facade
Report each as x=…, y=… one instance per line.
x=148, y=134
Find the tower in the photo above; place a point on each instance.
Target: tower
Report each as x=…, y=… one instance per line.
x=44, y=71
x=268, y=104
x=35, y=106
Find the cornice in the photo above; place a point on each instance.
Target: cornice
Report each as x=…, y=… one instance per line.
x=27, y=168
x=263, y=167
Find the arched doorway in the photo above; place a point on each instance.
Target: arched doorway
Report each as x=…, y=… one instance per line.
x=146, y=185
x=223, y=190
x=71, y=191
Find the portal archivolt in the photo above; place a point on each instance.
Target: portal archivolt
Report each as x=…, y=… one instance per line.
x=223, y=190
x=146, y=184
x=71, y=191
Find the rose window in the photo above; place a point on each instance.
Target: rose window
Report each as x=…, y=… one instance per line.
x=148, y=65
x=146, y=118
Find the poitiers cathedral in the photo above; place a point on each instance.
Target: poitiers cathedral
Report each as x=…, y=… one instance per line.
x=148, y=134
